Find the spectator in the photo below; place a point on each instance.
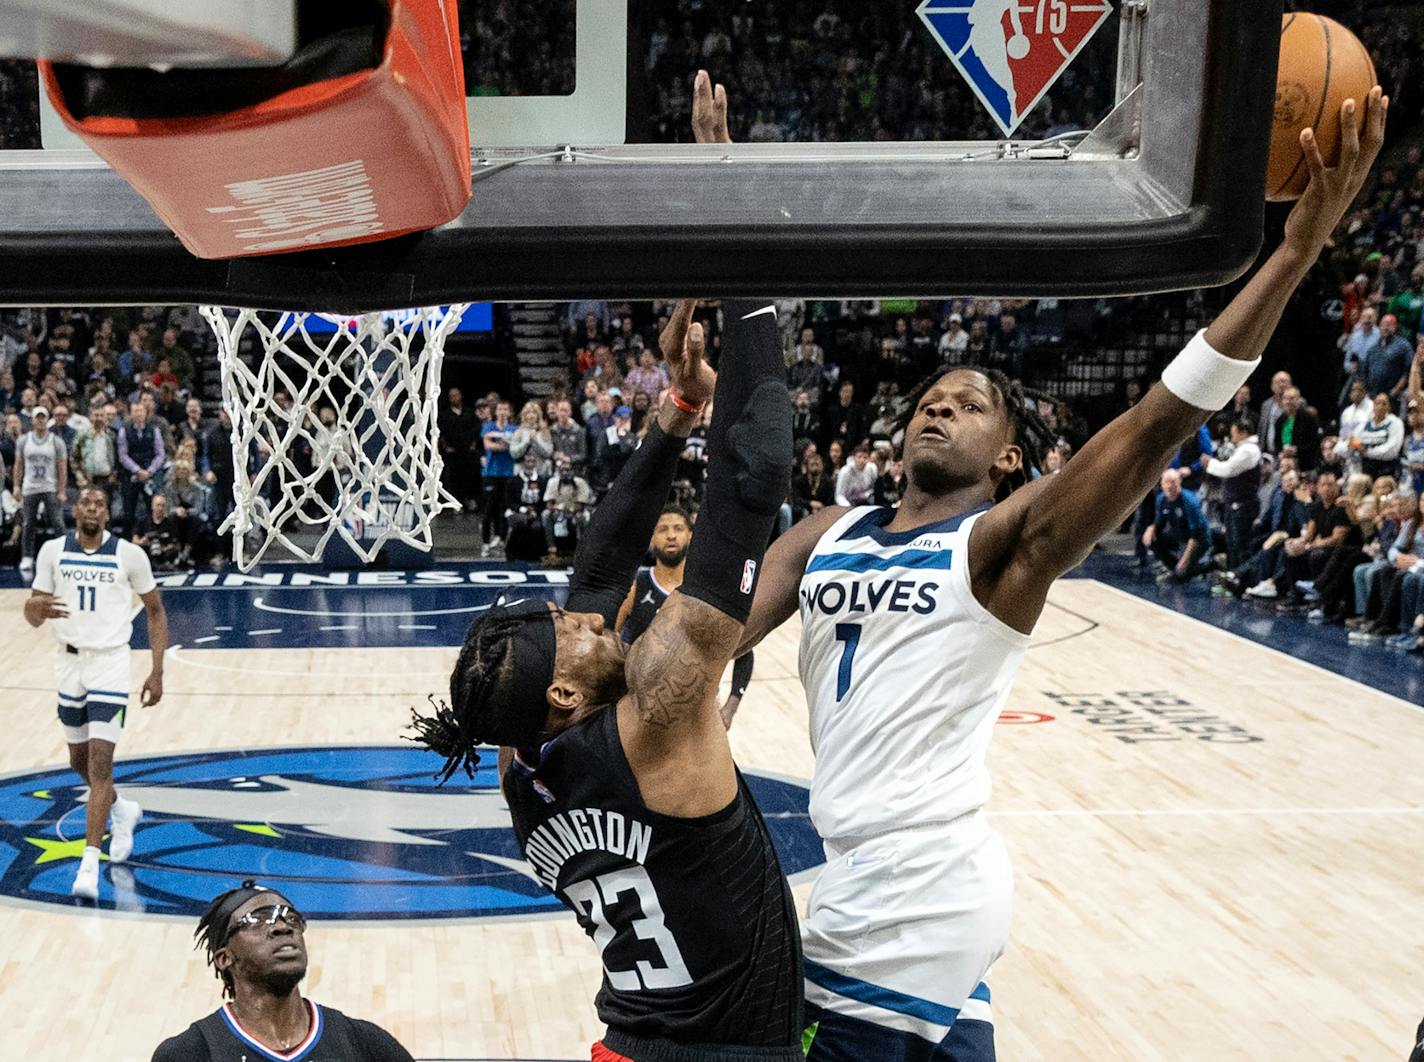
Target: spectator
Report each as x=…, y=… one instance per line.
x=41, y=471
x=589, y=406
x=1240, y=476
x=1386, y=364
x=692, y=462
x=1412, y=451
x=192, y=426
x=1357, y=412
x=612, y=449
x=855, y=485
x=599, y=421
x=9, y=395
x=157, y=533
x=812, y=490
x=1409, y=303
x=1009, y=347
x=953, y=343
x=1378, y=442
x=1272, y=409
x=142, y=456
x=96, y=455
x=1298, y=427
x=648, y=377
x=805, y=421
x=1359, y=341
x=62, y=428
x=10, y=438
x=890, y=487
x=526, y=541
x=533, y=436
x=848, y=421
x=1328, y=529
x=805, y=372
x=642, y=407
x=215, y=465
x=1191, y=457
x=568, y=503
x=569, y=438
x=188, y=501
x=1179, y=536
x=498, y=470
x=1283, y=518
x=1398, y=569
x=180, y=361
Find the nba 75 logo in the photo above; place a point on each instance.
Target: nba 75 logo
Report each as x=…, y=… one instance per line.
x=1012, y=51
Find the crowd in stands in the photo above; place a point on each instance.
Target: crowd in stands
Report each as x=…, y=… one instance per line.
x=110, y=399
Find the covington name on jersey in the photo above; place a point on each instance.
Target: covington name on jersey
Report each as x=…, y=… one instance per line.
x=583, y=830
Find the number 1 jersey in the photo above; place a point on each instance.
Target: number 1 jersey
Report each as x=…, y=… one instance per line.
x=905, y=674
x=693, y=917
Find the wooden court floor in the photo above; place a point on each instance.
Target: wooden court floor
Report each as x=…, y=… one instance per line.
x=1218, y=854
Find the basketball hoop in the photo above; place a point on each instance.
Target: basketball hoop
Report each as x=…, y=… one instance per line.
x=372, y=473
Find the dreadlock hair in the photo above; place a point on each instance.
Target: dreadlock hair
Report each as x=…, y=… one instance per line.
x=212, y=932
x=481, y=708
x=1029, y=430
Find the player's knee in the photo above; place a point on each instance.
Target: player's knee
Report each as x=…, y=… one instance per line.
x=760, y=444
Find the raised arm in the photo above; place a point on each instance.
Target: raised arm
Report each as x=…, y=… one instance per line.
x=1041, y=531
x=670, y=724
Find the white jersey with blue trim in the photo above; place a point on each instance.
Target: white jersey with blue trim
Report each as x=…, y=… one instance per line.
x=905, y=675
x=96, y=587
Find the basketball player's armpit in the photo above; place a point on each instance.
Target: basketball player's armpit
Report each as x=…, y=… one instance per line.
x=674, y=668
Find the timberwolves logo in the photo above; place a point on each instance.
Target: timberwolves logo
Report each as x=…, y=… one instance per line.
x=1013, y=51
x=346, y=833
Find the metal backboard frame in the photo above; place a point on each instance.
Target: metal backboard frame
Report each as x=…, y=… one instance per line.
x=1167, y=193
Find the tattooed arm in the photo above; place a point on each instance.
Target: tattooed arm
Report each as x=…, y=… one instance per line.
x=670, y=722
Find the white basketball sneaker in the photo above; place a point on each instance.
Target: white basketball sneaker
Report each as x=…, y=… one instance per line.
x=125, y=816
x=86, y=882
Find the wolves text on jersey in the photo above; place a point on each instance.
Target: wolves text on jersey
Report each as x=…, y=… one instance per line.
x=895, y=595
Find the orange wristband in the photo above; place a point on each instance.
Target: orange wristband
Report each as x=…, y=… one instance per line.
x=685, y=406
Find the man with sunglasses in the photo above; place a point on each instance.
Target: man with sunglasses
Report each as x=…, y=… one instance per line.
x=256, y=944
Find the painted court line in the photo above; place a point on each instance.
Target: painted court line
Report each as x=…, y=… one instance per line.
x=209, y=638
x=269, y=630
x=340, y=627
x=1269, y=648
x=1112, y=813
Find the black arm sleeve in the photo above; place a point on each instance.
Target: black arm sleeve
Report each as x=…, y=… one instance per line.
x=742, y=673
x=617, y=537
x=748, y=466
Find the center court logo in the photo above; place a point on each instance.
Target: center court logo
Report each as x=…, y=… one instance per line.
x=345, y=833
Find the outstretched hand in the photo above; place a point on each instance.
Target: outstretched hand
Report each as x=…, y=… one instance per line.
x=709, y=111
x=1333, y=188
x=684, y=348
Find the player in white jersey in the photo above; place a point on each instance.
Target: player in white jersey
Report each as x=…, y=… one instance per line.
x=914, y=623
x=84, y=588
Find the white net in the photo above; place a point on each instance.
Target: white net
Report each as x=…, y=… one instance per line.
x=333, y=428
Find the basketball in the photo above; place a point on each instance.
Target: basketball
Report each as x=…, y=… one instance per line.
x=1322, y=65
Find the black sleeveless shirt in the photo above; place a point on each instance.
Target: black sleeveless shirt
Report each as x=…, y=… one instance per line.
x=693, y=917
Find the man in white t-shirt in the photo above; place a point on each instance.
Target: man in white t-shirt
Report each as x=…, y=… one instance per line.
x=84, y=587
x=41, y=470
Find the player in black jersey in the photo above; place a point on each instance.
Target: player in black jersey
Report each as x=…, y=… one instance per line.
x=651, y=587
x=256, y=944
x=618, y=774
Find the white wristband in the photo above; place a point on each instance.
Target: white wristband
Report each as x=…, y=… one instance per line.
x=1204, y=377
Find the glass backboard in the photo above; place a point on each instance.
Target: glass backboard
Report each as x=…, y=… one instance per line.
x=1074, y=147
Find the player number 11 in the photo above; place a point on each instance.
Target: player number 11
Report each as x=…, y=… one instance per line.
x=88, y=598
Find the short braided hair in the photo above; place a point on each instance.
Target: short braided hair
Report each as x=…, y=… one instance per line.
x=1030, y=431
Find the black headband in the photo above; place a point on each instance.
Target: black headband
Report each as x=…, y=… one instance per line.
x=222, y=917
x=532, y=651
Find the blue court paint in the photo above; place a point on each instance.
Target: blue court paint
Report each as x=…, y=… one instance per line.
x=357, y=832
x=1324, y=645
